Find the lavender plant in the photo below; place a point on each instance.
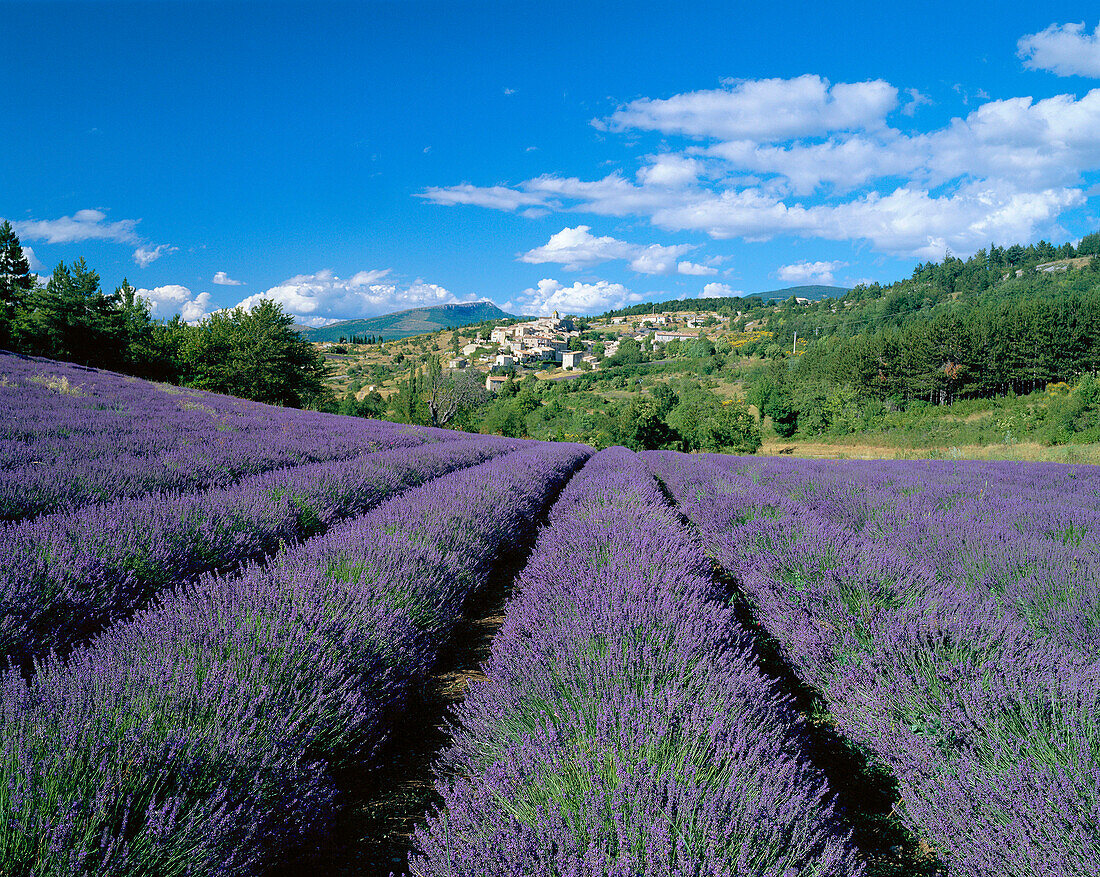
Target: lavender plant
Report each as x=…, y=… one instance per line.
x=71, y=435
x=917, y=598
x=194, y=739
x=625, y=728
x=70, y=574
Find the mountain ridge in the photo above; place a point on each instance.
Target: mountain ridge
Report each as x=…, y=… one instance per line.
x=414, y=321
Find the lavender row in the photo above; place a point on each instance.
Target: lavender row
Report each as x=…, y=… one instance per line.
x=197, y=738
x=70, y=574
x=1023, y=539
x=991, y=727
x=70, y=435
x=626, y=728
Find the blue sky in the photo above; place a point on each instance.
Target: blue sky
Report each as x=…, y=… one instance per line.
x=355, y=159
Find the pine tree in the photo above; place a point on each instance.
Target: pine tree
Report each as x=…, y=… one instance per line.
x=16, y=280
x=71, y=318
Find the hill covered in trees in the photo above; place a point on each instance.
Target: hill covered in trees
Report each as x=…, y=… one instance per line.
x=731, y=304
x=1005, y=321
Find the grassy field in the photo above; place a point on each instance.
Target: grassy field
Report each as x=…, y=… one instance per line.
x=854, y=448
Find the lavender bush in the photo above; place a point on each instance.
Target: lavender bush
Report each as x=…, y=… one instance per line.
x=625, y=728
x=71, y=435
x=947, y=614
x=69, y=574
x=194, y=738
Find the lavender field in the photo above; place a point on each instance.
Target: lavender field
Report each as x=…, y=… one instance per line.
x=214, y=611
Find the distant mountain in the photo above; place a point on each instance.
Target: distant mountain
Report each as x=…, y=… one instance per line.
x=404, y=324
x=813, y=293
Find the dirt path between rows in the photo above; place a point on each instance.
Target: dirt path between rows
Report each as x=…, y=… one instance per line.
x=371, y=835
x=866, y=794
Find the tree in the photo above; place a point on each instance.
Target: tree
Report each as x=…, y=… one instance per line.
x=508, y=415
x=16, y=280
x=71, y=319
x=371, y=405
x=641, y=426
x=452, y=393
x=771, y=394
x=151, y=348
x=1090, y=245
x=733, y=429
x=406, y=405
x=629, y=353
x=255, y=355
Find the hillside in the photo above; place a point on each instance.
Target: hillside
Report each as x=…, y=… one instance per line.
x=813, y=293
x=405, y=324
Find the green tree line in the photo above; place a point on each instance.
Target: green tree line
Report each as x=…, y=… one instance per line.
x=252, y=354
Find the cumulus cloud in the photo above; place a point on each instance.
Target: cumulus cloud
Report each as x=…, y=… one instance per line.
x=84, y=225
x=143, y=256
x=167, y=301
x=670, y=170
x=576, y=249
x=32, y=260
x=695, y=269
x=764, y=109
x=1004, y=172
x=805, y=272
x=223, y=279
x=1063, y=49
x=580, y=298
x=718, y=290
x=317, y=299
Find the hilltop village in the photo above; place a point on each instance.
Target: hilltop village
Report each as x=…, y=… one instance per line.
x=545, y=348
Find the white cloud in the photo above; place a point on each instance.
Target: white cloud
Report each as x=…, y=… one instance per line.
x=805, y=272
x=32, y=260
x=695, y=269
x=670, y=170
x=144, y=256
x=764, y=109
x=821, y=161
x=497, y=197
x=1063, y=49
x=718, y=290
x=314, y=299
x=223, y=279
x=576, y=249
x=580, y=298
x=167, y=301
x=84, y=225
x=916, y=100
x=907, y=221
